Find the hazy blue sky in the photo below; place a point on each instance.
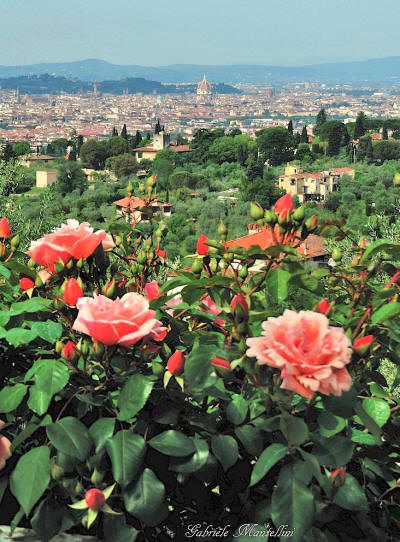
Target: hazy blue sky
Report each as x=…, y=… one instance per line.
x=159, y=32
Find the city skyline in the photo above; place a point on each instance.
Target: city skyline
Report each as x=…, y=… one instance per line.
x=255, y=33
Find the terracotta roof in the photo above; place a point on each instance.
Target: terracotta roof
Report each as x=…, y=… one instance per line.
x=145, y=149
x=312, y=247
x=175, y=148
x=342, y=170
x=134, y=203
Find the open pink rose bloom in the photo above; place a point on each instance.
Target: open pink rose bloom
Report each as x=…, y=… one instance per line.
x=311, y=354
x=121, y=321
x=71, y=240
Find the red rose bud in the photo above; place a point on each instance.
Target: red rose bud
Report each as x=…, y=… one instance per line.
x=26, y=284
x=311, y=223
x=362, y=344
x=95, y=499
x=98, y=349
x=284, y=206
x=201, y=248
x=338, y=476
x=69, y=351
x=241, y=300
x=160, y=253
x=176, y=363
x=152, y=290
x=109, y=289
x=72, y=292
x=221, y=363
x=5, y=232
x=323, y=306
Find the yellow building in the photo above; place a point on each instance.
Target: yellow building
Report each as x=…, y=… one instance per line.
x=160, y=141
x=46, y=178
x=311, y=186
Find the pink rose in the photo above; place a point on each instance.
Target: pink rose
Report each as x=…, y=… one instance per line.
x=5, y=452
x=212, y=308
x=311, y=354
x=176, y=300
x=122, y=321
x=72, y=240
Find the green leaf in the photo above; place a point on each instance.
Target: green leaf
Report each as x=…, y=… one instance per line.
x=294, y=429
x=350, y=495
x=314, y=467
x=195, y=462
x=145, y=499
x=47, y=520
x=362, y=438
x=126, y=451
x=52, y=377
x=292, y=504
x=133, y=396
x=173, y=443
x=236, y=411
x=342, y=406
x=225, y=449
x=48, y=331
x=4, y=272
x=365, y=419
x=35, y=304
x=251, y=438
x=101, y=431
x=333, y=452
x=116, y=530
x=71, y=437
x=18, y=336
x=277, y=284
x=11, y=397
x=4, y=318
x=390, y=310
x=377, y=409
x=199, y=373
x=270, y=457
x=329, y=424
x=31, y=477
x=39, y=400
x=377, y=246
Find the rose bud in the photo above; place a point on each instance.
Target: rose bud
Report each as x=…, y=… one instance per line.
x=240, y=299
x=5, y=232
x=176, y=363
x=311, y=223
x=98, y=349
x=323, y=306
x=201, y=248
x=362, y=344
x=220, y=363
x=109, y=289
x=95, y=499
x=256, y=211
x=160, y=253
x=338, y=476
x=26, y=284
x=283, y=207
x=69, y=351
x=152, y=290
x=72, y=292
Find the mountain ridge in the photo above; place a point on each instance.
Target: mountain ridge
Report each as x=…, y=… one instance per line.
x=379, y=70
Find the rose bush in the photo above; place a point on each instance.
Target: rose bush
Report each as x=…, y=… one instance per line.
x=224, y=396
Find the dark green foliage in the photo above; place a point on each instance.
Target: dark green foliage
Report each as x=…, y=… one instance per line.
x=304, y=135
x=122, y=165
x=71, y=177
x=21, y=148
x=276, y=145
x=290, y=127
x=360, y=126
x=94, y=154
x=334, y=141
x=384, y=133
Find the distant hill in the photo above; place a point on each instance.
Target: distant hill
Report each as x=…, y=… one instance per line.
x=51, y=84
x=381, y=70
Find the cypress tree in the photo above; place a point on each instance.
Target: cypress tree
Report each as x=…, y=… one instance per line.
x=360, y=126
x=297, y=139
x=334, y=141
x=157, y=127
x=370, y=151
x=290, y=127
x=114, y=132
x=8, y=152
x=321, y=117
x=385, y=133
x=304, y=135
x=124, y=132
x=345, y=137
